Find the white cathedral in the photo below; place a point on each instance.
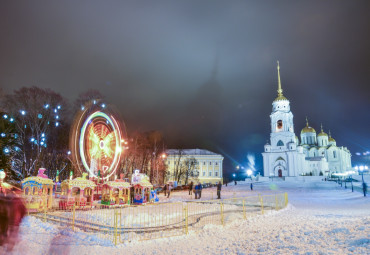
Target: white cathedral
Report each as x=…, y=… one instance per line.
x=286, y=156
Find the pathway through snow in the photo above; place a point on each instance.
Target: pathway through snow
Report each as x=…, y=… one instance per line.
x=320, y=219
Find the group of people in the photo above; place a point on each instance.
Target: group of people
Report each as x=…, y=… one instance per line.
x=196, y=189
x=12, y=211
x=167, y=190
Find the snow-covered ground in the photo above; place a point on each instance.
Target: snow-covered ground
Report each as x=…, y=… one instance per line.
x=321, y=218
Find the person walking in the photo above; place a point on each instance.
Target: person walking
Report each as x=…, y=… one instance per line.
x=364, y=188
x=165, y=189
x=251, y=186
x=196, y=189
x=191, y=188
x=219, y=185
x=200, y=191
x=169, y=190
x=132, y=193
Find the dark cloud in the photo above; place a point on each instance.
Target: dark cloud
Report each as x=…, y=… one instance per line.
x=154, y=60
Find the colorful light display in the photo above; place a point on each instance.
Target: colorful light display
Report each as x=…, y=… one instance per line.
x=96, y=140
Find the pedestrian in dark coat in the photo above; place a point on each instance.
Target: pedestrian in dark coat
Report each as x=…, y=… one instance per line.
x=132, y=194
x=191, y=188
x=169, y=187
x=364, y=188
x=200, y=190
x=196, y=191
x=165, y=189
x=219, y=185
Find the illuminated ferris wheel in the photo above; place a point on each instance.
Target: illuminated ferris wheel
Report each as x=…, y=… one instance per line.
x=97, y=139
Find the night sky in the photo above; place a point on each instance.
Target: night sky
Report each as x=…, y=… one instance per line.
x=202, y=72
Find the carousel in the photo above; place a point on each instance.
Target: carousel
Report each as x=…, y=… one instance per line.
x=78, y=192
x=116, y=193
x=38, y=192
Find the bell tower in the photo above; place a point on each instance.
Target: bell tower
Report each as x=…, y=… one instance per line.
x=282, y=128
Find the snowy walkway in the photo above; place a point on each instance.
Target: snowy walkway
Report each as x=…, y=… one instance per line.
x=321, y=219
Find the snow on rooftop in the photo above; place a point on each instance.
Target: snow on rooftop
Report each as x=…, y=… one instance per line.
x=190, y=152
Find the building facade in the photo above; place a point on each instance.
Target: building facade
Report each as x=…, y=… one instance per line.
x=285, y=155
x=197, y=165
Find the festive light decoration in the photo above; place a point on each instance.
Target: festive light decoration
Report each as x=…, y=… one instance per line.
x=96, y=140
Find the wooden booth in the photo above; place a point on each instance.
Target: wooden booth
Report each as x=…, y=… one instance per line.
x=38, y=192
x=78, y=192
x=116, y=193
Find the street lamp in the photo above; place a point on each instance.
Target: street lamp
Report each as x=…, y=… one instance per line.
x=249, y=172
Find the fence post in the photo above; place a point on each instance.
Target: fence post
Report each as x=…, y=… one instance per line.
x=244, y=214
x=261, y=201
x=73, y=217
x=45, y=210
x=115, y=225
x=186, y=229
x=222, y=214
x=276, y=203
x=286, y=199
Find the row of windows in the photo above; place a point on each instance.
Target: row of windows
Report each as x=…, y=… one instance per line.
x=204, y=163
x=323, y=154
x=210, y=174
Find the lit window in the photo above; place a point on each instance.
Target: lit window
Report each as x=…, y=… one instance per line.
x=279, y=124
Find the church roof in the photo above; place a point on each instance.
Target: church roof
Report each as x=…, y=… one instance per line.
x=322, y=133
x=308, y=129
x=190, y=152
x=331, y=139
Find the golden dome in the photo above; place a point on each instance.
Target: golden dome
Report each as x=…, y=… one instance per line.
x=280, y=98
x=331, y=139
x=322, y=133
x=307, y=128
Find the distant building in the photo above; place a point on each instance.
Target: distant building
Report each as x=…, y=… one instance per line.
x=196, y=165
x=286, y=156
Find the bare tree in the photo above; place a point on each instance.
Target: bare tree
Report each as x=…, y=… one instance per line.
x=191, y=169
x=40, y=120
x=144, y=153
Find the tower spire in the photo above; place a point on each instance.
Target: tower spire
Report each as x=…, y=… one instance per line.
x=322, y=130
x=280, y=90
x=306, y=121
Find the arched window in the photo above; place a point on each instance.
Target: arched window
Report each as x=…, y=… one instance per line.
x=280, y=143
x=334, y=154
x=279, y=124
